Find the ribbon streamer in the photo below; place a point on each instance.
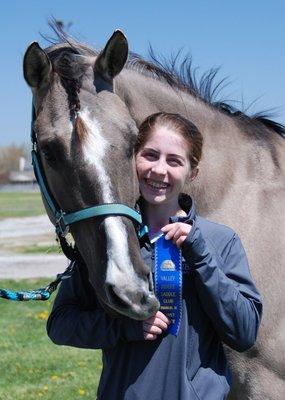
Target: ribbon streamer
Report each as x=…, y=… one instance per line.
x=168, y=281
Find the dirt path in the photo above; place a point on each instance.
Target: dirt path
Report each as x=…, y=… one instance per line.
x=16, y=233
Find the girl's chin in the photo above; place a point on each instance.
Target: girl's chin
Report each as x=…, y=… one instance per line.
x=154, y=199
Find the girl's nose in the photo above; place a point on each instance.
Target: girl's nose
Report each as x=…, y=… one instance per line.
x=159, y=167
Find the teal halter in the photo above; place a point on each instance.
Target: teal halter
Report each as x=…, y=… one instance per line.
x=62, y=219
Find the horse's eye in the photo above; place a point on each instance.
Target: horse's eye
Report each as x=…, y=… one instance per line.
x=48, y=154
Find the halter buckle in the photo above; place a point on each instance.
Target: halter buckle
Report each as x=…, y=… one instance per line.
x=60, y=226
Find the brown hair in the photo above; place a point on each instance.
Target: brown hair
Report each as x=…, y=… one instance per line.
x=178, y=124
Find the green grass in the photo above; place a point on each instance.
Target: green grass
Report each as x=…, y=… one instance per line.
x=20, y=204
x=31, y=365
x=42, y=249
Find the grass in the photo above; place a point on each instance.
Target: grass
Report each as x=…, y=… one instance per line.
x=20, y=204
x=42, y=249
x=31, y=365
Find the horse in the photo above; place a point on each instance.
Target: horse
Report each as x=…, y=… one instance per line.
x=88, y=105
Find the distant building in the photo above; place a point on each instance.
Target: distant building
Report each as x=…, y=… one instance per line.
x=25, y=174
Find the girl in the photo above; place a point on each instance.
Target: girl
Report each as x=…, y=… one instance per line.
x=220, y=304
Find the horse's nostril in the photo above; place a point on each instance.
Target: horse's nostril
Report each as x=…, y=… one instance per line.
x=143, y=300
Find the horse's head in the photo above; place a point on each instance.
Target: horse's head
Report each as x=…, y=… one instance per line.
x=85, y=138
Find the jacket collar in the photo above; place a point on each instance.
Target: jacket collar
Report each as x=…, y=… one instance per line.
x=186, y=203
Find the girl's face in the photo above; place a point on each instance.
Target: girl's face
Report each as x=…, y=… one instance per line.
x=163, y=167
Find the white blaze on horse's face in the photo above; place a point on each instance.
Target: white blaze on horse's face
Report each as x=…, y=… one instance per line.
x=94, y=149
x=120, y=272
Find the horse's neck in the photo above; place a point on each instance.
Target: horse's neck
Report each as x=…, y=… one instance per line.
x=144, y=96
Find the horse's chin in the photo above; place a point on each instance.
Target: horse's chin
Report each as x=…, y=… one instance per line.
x=116, y=307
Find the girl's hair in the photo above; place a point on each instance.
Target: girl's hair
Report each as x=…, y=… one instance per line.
x=176, y=123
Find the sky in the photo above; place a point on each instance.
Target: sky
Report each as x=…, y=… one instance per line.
x=246, y=39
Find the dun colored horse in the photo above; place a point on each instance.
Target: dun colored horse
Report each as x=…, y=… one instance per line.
x=88, y=105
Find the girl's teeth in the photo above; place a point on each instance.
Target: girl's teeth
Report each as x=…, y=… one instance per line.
x=158, y=185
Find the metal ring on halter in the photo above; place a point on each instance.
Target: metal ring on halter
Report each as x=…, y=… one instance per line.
x=60, y=226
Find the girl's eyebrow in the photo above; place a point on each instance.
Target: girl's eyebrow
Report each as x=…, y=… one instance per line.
x=157, y=152
x=149, y=148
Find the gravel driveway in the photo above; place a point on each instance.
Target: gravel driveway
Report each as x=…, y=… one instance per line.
x=27, y=231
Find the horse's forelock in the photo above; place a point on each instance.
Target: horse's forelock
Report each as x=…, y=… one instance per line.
x=70, y=65
x=80, y=129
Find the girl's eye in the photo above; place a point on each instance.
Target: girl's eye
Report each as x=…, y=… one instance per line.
x=150, y=156
x=174, y=162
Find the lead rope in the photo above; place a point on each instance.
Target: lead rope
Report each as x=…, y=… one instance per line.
x=41, y=293
x=44, y=293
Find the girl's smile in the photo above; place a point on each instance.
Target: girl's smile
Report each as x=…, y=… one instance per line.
x=157, y=184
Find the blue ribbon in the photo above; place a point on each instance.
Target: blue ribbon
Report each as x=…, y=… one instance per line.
x=168, y=281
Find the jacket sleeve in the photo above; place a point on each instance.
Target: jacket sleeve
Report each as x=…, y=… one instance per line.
x=78, y=320
x=225, y=287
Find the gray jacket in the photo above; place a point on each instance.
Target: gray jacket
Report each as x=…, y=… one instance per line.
x=220, y=305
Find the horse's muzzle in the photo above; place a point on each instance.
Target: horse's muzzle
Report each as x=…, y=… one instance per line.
x=139, y=304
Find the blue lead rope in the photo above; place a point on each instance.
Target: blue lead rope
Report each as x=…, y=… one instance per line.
x=38, y=294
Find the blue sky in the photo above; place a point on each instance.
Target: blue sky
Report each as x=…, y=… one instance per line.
x=245, y=38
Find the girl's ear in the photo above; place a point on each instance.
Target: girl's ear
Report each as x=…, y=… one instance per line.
x=193, y=174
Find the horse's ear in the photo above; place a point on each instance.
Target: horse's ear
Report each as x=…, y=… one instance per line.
x=112, y=59
x=37, y=66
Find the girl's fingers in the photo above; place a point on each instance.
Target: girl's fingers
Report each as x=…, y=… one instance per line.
x=171, y=232
x=155, y=325
x=149, y=336
x=180, y=241
x=176, y=231
x=163, y=317
x=158, y=323
x=152, y=329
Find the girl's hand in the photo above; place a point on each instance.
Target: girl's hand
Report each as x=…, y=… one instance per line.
x=155, y=325
x=177, y=232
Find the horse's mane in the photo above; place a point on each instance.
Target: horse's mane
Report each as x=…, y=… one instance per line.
x=206, y=88
x=177, y=74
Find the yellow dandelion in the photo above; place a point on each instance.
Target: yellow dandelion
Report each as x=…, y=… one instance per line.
x=45, y=388
x=54, y=378
x=40, y=394
x=81, y=392
x=42, y=315
x=81, y=364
